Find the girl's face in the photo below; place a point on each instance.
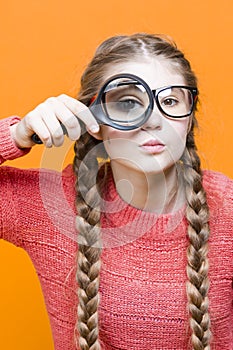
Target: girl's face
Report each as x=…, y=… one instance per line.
x=159, y=143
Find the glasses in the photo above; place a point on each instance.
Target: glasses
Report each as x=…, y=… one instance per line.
x=125, y=102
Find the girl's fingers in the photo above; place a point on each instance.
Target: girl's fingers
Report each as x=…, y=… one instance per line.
x=52, y=123
x=49, y=119
x=81, y=111
x=32, y=123
x=67, y=118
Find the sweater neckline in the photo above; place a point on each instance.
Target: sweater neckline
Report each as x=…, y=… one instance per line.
x=123, y=223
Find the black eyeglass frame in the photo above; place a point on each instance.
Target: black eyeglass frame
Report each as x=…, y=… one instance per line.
x=101, y=115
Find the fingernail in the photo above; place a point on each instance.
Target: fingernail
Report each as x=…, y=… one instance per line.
x=94, y=128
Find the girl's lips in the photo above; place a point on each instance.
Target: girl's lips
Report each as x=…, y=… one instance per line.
x=153, y=146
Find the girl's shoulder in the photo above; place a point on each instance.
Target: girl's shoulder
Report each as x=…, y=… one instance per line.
x=216, y=179
x=219, y=191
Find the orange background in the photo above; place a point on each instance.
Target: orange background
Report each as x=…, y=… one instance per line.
x=45, y=44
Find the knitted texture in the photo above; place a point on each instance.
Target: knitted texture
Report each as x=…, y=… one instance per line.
x=143, y=275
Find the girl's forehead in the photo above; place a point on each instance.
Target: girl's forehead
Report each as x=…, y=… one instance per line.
x=156, y=72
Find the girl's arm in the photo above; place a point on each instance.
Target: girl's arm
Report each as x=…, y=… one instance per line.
x=9, y=228
x=8, y=148
x=20, y=188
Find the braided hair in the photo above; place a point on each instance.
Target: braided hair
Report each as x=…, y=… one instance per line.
x=114, y=50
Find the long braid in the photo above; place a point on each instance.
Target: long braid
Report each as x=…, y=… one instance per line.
x=198, y=232
x=88, y=257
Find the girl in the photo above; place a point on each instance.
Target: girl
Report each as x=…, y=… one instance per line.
x=150, y=234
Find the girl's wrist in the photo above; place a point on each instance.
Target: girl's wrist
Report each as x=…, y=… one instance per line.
x=12, y=132
x=9, y=149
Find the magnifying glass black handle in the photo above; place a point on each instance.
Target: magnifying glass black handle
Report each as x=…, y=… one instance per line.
x=35, y=138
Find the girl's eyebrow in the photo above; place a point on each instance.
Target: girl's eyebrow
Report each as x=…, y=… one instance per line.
x=133, y=83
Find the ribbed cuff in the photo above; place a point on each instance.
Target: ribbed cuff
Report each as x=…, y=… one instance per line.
x=8, y=149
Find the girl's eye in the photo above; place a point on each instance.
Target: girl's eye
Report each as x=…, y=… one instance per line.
x=128, y=104
x=170, y=102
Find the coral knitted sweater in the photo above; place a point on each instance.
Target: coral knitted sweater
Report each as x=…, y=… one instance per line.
x=143, y=276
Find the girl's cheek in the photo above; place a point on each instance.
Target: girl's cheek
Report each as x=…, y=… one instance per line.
x=111, y=133
x=178, y=129
x=108, y=133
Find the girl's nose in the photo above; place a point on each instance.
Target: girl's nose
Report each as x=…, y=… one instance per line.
x=155, y=120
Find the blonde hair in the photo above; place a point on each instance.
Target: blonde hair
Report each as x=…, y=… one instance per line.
x=115, y=50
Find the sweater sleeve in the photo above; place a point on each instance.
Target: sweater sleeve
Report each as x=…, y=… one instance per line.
x=8, y=149
x=228, y=202
x=8, y=217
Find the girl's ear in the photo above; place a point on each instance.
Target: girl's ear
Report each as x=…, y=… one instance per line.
x=96, y=135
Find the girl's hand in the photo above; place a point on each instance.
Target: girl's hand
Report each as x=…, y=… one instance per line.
x=45, y=120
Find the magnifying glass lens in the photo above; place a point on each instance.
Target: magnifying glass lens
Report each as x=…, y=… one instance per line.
x=125, y=101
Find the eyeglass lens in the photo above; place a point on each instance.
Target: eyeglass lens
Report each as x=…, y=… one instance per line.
x=175, y=101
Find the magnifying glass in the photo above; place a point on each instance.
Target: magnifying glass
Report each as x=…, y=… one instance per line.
x=125, y=102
